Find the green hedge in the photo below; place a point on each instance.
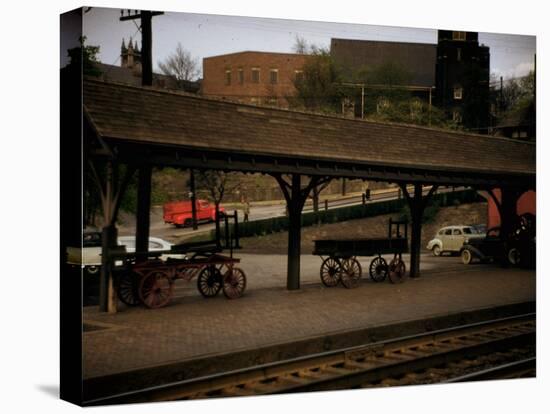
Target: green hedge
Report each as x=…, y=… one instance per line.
x=277, y=224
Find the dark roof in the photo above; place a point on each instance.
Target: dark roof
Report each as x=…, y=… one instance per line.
x=119, y=74
x=418, y=58
x=160, y=117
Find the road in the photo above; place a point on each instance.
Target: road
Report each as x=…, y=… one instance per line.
x=262, y=211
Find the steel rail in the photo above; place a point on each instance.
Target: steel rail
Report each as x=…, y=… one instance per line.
x=504, y=371
x=342, y=368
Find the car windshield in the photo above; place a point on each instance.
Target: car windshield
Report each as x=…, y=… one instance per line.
x=91, y=239
x=481, y=229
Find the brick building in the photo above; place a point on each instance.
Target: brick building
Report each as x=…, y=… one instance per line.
x=264, y=78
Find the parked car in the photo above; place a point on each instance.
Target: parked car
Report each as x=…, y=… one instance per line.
x=89, y=257
x=491, y=247
x=180, y=213
x=451, y=238
x=517, y=248
x=480, y=228
x=155, y=243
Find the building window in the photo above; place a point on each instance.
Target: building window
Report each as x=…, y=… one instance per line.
x=457, y=116
x=457, y=92
x=459, y=36
x=273, y=75
x=228, y=77
x=458, y=54
x=241, y=76
x=299, y=75
x=255, y=75
x=271, y=101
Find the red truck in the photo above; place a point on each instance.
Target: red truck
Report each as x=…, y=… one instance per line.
x=180, y=213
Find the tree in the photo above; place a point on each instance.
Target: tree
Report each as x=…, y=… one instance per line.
x=517, y=102
x=315, y=193
x=217, y=184
x=386, y=99
x=300, y=45
x=318, y=89
x=389, y=74
x=180, y=65
x=84, y=57
x=518, y=92
x=303, y=47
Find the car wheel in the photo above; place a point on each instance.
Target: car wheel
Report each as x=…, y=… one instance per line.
x=92, y=270
x=466, y=257
x=436, y=250
x=514, y=256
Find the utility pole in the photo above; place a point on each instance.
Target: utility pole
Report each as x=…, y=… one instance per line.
x=193, y=197
x=430, y=107
x=145, y=171
x=501, y=105
x=145, y=16
x=362, y=101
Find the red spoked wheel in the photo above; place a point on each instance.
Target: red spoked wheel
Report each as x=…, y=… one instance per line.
x=350, y=273
x=397, y=270
x=330, y=272
x=234, y=283
x=155, y=289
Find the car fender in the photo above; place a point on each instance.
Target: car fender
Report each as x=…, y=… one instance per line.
x=434, y=242
x=475, y=251
x=180, y=219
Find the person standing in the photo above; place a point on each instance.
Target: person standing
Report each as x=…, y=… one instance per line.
x=246, y=210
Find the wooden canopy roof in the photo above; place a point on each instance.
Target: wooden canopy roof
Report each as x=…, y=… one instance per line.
x=172, y=128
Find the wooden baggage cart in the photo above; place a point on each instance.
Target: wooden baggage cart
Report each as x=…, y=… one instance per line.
x=148, y=279
x=342, y=266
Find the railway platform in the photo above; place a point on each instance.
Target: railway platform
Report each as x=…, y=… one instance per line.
x=194, y=336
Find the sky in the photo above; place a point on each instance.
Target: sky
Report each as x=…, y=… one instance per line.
x=206, y=35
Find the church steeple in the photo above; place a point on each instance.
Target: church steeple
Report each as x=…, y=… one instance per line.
x=130, y=56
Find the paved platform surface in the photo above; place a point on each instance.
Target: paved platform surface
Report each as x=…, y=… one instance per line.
x=193, y=327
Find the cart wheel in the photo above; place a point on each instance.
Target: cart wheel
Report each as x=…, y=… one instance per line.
x=396, y=270
x=514, y=256
x=209, y=281
x=127, y=288
x=234, y=283
x=378, y=269
x=155, y=289
x=330, y=272
x=351, y=273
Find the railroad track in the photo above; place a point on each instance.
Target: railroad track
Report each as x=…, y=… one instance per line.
x=503, y=348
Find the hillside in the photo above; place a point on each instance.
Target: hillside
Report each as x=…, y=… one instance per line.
x=475, y=213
